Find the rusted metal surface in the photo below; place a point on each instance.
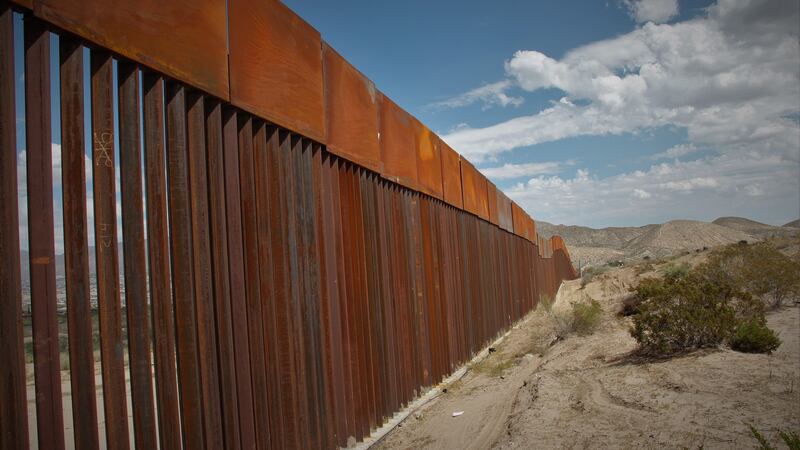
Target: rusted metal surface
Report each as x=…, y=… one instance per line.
x=298, y=297
x=520, y=220
x=429, y=163
x=473, y=183
x=49, y=416
x=330, y=309
x=189, y=381
x=263, y=134
x=276, y=66
x=504, y=214
x=144, y=423
x=24, y=3
x=492, y=202
x=105, y=224
x=325, y=251
x=201, y=253
x=255, y=324
x=287, y=435
x=244, y=388
x=297, y=285
x=221, y=280
x=185, y=39
x=13, y=403
x=76, y=252
x=451, y=176
x=351, y=111
x=159, y=265
x=397, y=141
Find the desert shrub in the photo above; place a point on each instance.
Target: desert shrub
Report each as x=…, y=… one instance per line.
x=642, y=268
x=754, y=337
x=694, y=311
x=562, y=322
x=790, y=438
x=676, y=270
x=760, y=269
x=630, y=305
x=582, y=319
x=762, y=441
x=586, y=317
x=590, y=273
x=647, y=288
x=546, y=302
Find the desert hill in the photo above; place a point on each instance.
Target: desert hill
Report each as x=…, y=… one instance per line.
x=753, y=227
x=590, y=246
x=677, y=235
x=612, y=237
x=792, y=224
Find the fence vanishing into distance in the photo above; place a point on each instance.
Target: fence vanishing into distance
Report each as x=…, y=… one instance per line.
x=300, y=256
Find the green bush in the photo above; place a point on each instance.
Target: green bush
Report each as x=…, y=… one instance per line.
x=754, y=337
x=719, y=302
x=762, y=441
x=586, y=317
x=790, y=438
x=546, y=302
x=647, y=288
x=760, y=269
x=690, y=312
x=582, y=318
x=630, y=306
x=676, y=270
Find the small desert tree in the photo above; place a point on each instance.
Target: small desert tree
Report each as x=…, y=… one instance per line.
x=704, y=308
x=759, y=269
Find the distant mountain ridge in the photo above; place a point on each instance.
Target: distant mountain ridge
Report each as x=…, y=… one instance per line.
x=749, y=226
x=793, y=224
x=596, y=246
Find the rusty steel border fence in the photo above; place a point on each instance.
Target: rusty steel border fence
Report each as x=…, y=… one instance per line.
x=300, y=256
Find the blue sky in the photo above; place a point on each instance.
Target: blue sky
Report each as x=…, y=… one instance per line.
x=615, y=113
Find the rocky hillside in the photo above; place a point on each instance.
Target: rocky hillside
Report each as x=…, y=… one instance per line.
x=678, y=235
x=753, y=227
x=590, y=246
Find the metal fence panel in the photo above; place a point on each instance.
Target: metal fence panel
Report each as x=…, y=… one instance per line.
x=299, y=294
x=351, y=107
x=276, y=66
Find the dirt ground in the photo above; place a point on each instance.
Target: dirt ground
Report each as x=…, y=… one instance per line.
x=590, y=392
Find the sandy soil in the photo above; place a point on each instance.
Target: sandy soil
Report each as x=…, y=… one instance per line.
x=589, y=392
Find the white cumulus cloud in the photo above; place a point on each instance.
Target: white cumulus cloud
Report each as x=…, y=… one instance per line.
x=489, y=95
x=676, y=151
x=704, y=189
x=657, y=11
x=728, y=77
x=511, y=171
